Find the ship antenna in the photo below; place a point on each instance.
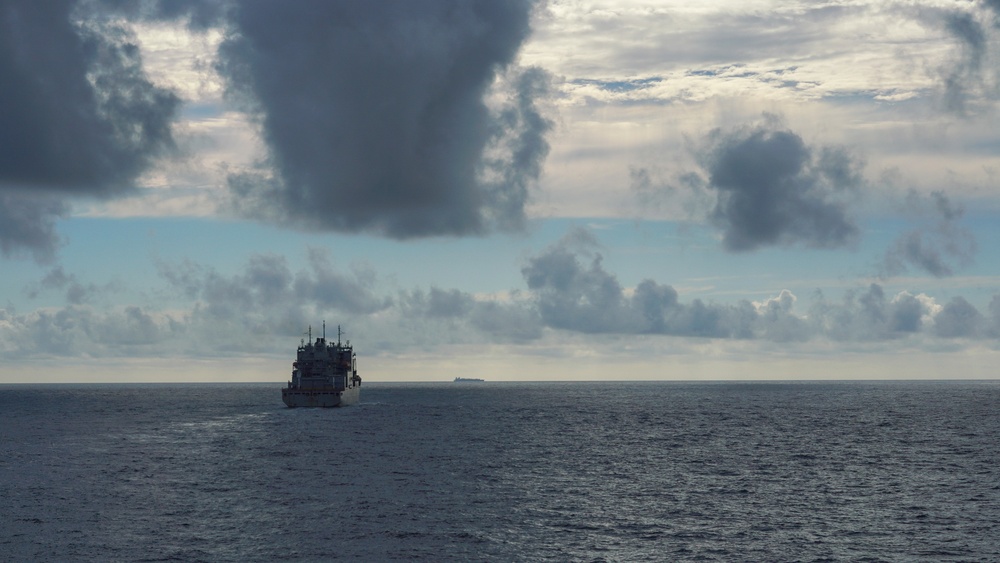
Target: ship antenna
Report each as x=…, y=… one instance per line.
x=324, y=331
x=310, y=333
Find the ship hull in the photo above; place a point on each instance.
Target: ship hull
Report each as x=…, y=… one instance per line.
x=328, y=397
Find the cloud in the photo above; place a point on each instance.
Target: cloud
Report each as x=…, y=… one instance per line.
x=227, y=314
x=957, y=319
x=970, y=76
x=332, y=290
x=972, y=37
x=685, y=195
x=27, y=224
x=80, y=117
x=77, y=293
x=376, y=114
x=569, y=291
x=199, y=15
x=574, y=292
x=573, y=295
x=462, y=315
x=870, y=315
x=268, y=298
x=437, y=303
x=762, y=185
x=773, y=189
x=83, y=331
x=993, y=317
x=937, y=246
x=994, y=5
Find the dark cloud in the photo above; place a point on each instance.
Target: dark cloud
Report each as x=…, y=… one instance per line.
x=773, y=189
x=375, y=114
x=971, y=36
x=913, y=248
x=27, y=224
x=80, y=117
x=938, y=245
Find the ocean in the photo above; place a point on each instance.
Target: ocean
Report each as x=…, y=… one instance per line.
x=843, y=471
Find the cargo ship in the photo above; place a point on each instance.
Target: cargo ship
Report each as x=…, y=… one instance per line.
x=468, y=380
x=324, y=374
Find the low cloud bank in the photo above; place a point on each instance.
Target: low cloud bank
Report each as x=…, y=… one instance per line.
x=568, y=290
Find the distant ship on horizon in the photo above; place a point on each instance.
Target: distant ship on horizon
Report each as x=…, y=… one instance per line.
x=468, y=380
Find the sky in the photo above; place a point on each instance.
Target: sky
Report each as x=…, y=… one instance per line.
x=511, y=190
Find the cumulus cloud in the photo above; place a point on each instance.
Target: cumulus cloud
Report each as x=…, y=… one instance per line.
x=772, y=188
x=405, y=119
x=84, y=331
x=463, y=314
x=376, y=114
x=958, y=318
x=871, y=315
x=763, y=185
x=267, y=297
x=80, y=117
x=569, y=291
x=572, y=294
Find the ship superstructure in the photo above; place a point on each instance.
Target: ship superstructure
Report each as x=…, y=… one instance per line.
x=324, y=374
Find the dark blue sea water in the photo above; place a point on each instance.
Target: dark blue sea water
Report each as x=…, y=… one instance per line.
x=503, y=472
